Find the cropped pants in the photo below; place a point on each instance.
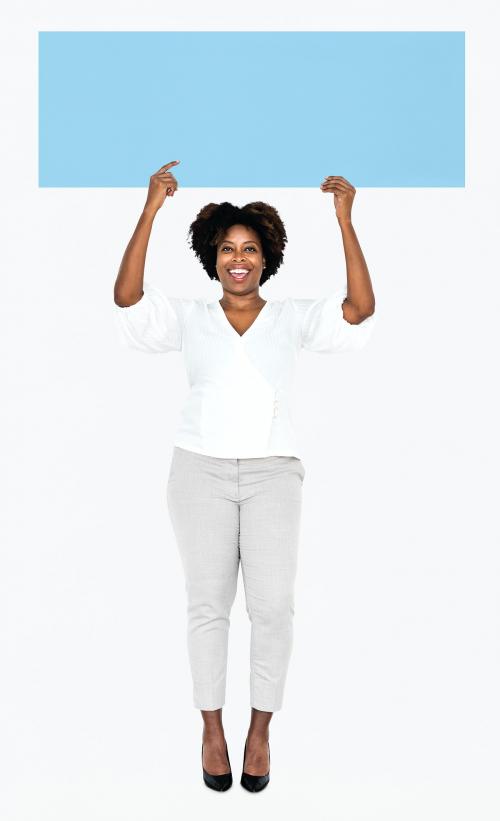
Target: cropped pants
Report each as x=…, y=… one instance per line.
x=224, y=511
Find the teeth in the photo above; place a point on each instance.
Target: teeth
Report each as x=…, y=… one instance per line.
x=238, y=271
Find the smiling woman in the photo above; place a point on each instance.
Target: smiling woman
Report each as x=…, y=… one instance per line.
x=240, y=260
x=242, y=248
x=234, y=491
x=258, y=243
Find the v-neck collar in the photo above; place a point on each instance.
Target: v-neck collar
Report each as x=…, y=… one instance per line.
x=226, y=321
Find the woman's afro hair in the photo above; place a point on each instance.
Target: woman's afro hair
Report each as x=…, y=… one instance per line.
x=213, y=220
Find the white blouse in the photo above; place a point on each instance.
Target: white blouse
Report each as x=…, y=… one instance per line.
x=239, y=403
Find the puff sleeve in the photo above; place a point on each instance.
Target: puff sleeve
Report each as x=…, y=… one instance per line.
x=323, y=327
x=154, y=324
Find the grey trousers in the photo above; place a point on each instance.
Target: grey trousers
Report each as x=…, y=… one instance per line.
x=223, y=511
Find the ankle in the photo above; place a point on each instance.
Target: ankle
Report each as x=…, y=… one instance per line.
x=213, y=734
x=258, y=736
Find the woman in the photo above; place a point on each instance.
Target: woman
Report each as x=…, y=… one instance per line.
x=235, y=485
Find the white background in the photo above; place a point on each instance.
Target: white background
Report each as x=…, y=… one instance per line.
x=391, y=705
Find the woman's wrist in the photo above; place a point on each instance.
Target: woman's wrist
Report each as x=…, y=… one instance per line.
x=149, y=211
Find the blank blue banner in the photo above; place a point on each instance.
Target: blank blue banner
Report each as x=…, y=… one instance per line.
x=252, y=109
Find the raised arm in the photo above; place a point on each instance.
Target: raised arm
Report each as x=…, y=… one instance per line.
x=360, y=301
x=130, y=280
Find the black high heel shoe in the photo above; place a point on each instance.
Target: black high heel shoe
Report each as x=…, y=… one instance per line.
x=217, y=782
x=255, y=783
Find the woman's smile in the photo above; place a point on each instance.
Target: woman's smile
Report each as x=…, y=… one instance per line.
x=239, y=274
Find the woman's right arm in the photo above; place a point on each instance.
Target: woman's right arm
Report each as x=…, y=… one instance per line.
x=130, y=280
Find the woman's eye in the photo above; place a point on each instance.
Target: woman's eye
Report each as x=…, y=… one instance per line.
x=249, y=247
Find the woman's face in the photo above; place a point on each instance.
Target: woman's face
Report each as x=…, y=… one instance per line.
x=240, y=250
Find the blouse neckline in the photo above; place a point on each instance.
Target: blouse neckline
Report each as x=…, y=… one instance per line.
x=255, y=323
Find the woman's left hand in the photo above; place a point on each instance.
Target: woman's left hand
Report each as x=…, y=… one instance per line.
x=343, y=195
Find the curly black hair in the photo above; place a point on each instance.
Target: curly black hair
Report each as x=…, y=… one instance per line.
x=213, y=220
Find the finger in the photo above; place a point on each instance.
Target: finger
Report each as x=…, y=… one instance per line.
x=341, y=192
x=168, y=165
x=339, y=179
x=340, y=183
x=337, y=187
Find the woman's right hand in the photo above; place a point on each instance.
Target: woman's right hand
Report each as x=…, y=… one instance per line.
x=161, y=184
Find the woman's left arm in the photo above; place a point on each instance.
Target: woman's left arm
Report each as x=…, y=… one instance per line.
x=360, y=301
